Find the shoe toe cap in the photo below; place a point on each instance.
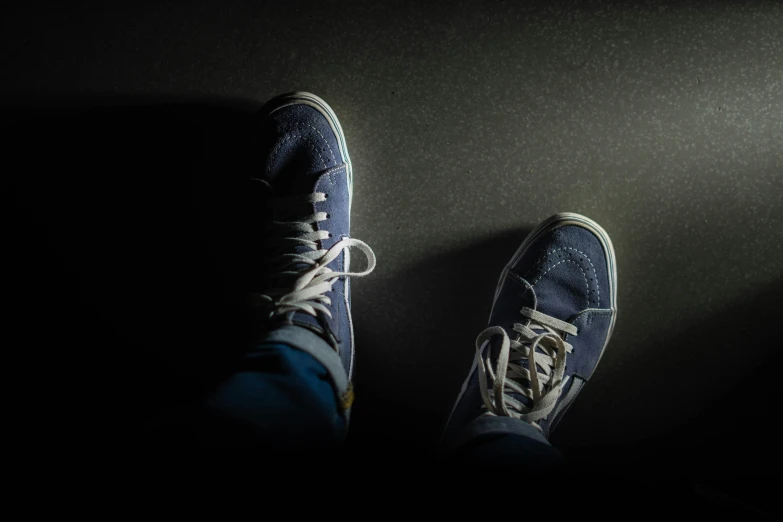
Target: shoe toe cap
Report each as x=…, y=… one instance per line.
x=298, y=138
x=569, y=270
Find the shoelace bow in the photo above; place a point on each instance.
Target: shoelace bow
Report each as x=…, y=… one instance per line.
x=303, y=278
x=542, y=346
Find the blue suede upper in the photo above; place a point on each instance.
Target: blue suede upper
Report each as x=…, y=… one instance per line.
x=301, y=155
x=568, y=271
x=298, y=144
x=564, y=274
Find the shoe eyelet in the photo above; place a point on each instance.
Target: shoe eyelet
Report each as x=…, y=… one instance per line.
x=327, y=216
x=326, y=196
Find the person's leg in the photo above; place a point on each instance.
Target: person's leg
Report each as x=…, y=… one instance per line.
x=551, y=320
x=281, y=394
x=497, y=442
x=294, y=388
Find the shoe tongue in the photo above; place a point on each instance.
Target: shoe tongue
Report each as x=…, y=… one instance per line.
x=311, y=322
x=291, y=186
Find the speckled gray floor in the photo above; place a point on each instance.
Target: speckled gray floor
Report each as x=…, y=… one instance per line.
x=470, y=122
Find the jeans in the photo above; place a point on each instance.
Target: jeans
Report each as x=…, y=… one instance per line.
x=283, y=395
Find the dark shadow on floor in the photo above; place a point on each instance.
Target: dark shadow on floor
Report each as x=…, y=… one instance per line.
x=132, y=247
x=433, y=312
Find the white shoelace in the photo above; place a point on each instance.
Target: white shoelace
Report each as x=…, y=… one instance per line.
x=545, y=385
x=305, y=287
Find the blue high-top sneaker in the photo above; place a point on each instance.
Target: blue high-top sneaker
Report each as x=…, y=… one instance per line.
x=552, y=317
x=306, y=296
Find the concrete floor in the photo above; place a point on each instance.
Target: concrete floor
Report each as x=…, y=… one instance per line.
x=470, y=122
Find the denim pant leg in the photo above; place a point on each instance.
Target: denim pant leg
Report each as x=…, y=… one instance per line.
x=503, y=442
x=289, y=391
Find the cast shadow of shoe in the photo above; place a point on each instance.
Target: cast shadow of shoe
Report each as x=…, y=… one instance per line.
x=439, y=306
x=135, y=227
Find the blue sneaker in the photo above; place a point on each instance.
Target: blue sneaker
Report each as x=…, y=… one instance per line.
x=554, y=311
x=309, y=180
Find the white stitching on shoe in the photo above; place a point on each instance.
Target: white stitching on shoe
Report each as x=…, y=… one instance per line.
x=595, y=272
x=335, y=170
x=334, y=160
x=587, y=285
x=276, y=150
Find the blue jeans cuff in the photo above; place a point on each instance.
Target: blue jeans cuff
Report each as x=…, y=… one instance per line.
x=311, y=343
x=494, y=425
